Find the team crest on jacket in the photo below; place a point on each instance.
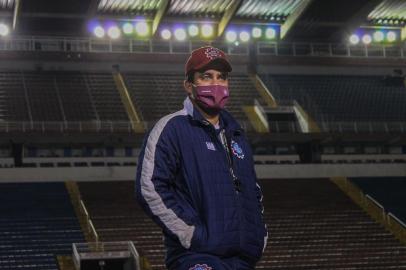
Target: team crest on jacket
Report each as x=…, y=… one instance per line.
x=237, y=150
x=200, y=267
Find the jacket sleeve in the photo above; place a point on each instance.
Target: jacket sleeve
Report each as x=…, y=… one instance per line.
x=156, y=172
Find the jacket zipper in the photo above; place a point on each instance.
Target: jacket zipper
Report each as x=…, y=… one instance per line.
x=236, y=181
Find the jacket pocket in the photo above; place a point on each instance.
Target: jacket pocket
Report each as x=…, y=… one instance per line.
x=199, y=239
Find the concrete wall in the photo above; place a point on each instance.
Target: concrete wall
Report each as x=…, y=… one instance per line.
x=263, y=171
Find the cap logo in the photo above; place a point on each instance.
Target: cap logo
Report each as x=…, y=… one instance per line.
x=212, y=53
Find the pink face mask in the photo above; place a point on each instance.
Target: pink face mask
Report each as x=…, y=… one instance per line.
x=212, y=97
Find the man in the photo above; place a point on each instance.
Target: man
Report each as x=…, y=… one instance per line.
x=196, y=176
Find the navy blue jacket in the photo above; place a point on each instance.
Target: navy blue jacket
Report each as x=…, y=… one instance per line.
x=184, y=183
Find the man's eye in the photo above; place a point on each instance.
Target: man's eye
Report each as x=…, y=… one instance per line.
x=206, y=76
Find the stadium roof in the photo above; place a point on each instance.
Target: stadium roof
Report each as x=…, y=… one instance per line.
x=300, y=20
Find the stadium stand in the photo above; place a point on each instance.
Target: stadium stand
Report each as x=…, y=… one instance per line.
x=312, y=225
x=341, y=98
x=117, y=216
x=60, y=96
x=37, y=224
x=13, y=97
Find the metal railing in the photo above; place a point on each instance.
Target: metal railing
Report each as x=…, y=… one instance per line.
x=93, y=45
x=105, y=250
x=362, y=127
x=82, y=126
x=331, y=50
x=397, y=220
x=377, y=205
x=68, y=126
x=126, y=126
x=89, y=222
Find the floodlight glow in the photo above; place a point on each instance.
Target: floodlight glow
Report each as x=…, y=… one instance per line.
x=193, y=30
x=270, y=33
x=367, y=39
x=231, y=36
x=166, y=34
x=244, y=36
x=99, y=32
x=207, y=30
x=4, y=30
x=113, y=32
x=142, y=28
x=391, y=36
x=180, y=34
x=354, y=39
x=128, y=28
x=379, y=36
x=256, y=32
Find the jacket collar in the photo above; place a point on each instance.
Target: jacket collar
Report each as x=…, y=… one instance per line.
x=227, y=121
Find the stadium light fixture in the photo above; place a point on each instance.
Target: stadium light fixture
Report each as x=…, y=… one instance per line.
x=378, y=36
x=193, y=30
x=354, y=39
x=391, y=36
x=244, y=36
x=207, y=30
x=366, y=39
x=256, y=32
x=270, y=33
x=128, y=28
x=142, y=28
x=99, y=32
x=113, y=32
x=231, y=36
x=4, y=30
x=180, y=34
x=166, y=34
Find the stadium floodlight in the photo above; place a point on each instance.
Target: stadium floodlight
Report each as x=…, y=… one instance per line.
x=231, y=36
x=142, y=28
x=207, y=30
x=366, y=39
x=270, y=33
x=378, y=36
x=354, y=39
x=391, y=36
x=256, y=32
x=4, y=30
x=244, y=36
x=166, y=34
x=128, y=28
x=193, y=30
x=113, y=32
x=180, y=34
x=99, y=32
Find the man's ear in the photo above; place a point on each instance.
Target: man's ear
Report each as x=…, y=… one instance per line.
x=188, y=87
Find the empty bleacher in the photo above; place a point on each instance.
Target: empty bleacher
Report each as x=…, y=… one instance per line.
x=158, y=94
x=117, y=216
x=43, y=99
x=311, y=223
x=37, y=223
x=341, y=98
x=59, y=96
x=105, y=97
x=13, y=99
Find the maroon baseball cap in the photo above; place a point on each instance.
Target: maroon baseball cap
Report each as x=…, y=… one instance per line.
x=204, y=56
